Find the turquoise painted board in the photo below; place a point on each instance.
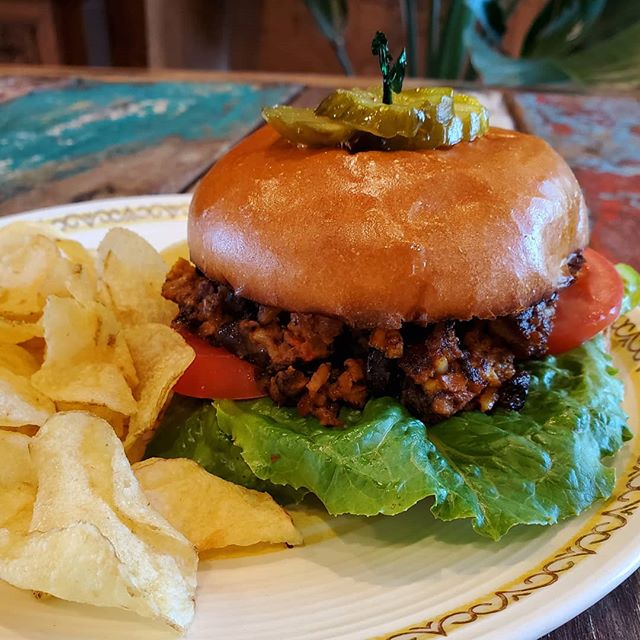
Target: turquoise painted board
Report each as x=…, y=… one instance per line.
x=66, y=130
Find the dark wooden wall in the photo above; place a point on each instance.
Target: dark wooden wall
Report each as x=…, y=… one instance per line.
x=266, y=35
x=247, y=35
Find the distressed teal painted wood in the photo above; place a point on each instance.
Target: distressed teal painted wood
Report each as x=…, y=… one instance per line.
x=63, y=131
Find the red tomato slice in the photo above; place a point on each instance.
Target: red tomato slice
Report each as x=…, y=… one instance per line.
x=216, y=373
x=589, y=305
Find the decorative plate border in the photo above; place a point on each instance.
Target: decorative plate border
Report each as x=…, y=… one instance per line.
x=74, y=222
x=625, y=339
x=615, y=515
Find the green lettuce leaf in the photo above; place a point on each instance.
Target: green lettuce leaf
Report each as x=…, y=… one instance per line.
x=380, y=462
x=543, y=464
x=631, y=279
x=189, y=429
x=533, y=467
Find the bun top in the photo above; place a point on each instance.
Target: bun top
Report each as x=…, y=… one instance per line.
x=377, y=238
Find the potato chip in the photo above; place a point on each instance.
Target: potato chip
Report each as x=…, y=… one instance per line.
x=20, y=402
x=122, y=358
x=15, y=332
x=62, y=275
x=83, y=282
x=83, y=362
x=23, y=229
x=18, y=482
x=110, y=343
x=35, y=264
x=25, y=263
x=93, y=537
x=133, y=273
x=18, y=360
x=27, y=429
x=36, y=347
x=213, y=513
x=70, y=330
x=174, y=252
x=160, y=356
x=118, y=421
x=97, y=383
x=76, y=252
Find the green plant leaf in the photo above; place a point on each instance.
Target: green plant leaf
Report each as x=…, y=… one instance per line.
x=496, y=68
x=452, y=46
x=561, y=27
x=507, y=6
x=491, y=18
x=331, y=18
x=616, y=16
x=410, y=19
x=614, y=61
x=585, y=41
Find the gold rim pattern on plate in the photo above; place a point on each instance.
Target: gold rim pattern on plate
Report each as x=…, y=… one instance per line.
x=614, y=516
x=625, y=339
x=74, y=222
x=626, y=335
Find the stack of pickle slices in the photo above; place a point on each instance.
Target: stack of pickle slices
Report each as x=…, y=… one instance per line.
x=425, y=118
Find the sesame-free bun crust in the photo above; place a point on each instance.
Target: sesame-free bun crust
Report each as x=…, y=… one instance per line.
x=482, y=229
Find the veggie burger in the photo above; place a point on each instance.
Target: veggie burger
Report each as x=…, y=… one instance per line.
x=392, y=275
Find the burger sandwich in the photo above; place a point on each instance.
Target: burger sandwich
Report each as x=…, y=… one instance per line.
x=390, y=300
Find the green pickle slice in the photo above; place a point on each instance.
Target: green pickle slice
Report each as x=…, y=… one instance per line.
x=365, y=111
x=425, y=118
x=303, y=126
x=469, y=120
x=474, y=117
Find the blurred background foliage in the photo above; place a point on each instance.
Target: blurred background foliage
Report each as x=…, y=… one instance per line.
x=508, y=42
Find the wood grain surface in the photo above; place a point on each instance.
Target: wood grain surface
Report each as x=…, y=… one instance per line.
x=82, y=139
x=600, y=138
x=68, y=135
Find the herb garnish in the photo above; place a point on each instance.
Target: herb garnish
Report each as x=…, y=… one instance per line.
x=392, y=74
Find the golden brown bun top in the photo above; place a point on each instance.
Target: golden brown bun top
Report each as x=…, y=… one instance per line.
x=483, y=229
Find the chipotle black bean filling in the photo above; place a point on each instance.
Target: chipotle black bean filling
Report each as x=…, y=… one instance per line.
x=319, y=364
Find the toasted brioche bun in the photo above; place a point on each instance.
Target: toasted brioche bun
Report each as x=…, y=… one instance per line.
x=483, y=229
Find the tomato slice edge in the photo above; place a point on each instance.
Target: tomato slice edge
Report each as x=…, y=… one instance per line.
x=588, y=305
x=217, y=374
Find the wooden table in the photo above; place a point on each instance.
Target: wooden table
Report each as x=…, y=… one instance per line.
x=68, y=135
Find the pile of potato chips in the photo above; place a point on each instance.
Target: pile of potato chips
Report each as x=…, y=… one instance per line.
x=81, y=333
x=88, y=361
x=76, y=525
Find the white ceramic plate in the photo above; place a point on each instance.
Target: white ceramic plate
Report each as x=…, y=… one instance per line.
x=406, y=577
